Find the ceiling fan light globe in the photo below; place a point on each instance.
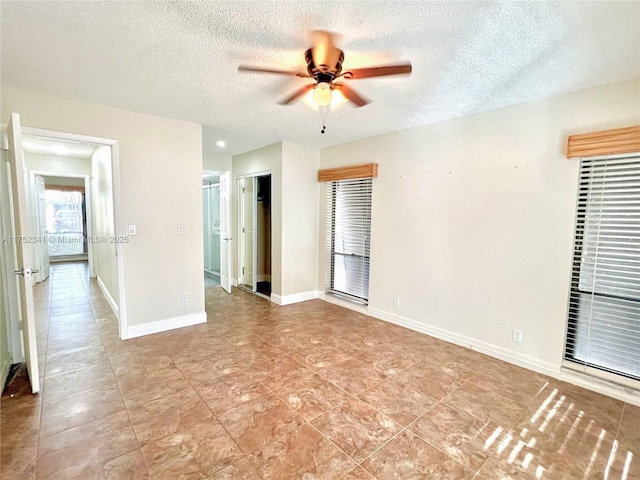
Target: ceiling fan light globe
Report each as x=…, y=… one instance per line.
x=322, y=94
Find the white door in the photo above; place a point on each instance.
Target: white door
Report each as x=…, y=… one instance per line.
x=23, y=249
x=225, y=231
x=247, y=250
x=41, y=246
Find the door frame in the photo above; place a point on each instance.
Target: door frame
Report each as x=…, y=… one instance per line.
x=87, y=200
x=8, y=263
x=219, y=173
x=239, y=217
x=119, y=231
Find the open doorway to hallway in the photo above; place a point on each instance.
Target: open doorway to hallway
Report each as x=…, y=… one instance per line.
x=73, y=220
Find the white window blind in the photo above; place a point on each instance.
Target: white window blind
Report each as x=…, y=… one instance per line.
x=604, y=304
x=348, y=234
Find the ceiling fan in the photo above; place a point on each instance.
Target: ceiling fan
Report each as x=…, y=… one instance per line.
x=324, y=65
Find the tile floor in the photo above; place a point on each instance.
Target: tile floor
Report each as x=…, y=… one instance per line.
x=307, y=391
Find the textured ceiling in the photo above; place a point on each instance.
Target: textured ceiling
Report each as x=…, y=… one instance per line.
x=179, y=59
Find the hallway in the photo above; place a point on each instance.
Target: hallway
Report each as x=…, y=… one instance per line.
x=310, y=390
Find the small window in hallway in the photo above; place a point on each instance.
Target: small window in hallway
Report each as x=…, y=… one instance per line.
x=66, y=226
x=348, y=238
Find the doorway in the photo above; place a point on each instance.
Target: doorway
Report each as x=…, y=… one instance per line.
x=26, y=217
x=211, y=228
x=254, y=253
x=216, y=207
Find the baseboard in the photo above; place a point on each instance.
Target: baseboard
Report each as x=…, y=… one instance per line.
x=599, y=385
x=234, y=282
x=112, y=303
x=342, y=302
x=167, y=324
x=294, y=297
x=509, y=356
x=4, y=374
x=495, y=351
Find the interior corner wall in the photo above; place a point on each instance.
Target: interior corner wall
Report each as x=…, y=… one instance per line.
x=473, y=220
x=103, y=221
x=160, y=187
x=300, y=166
x=263, y=159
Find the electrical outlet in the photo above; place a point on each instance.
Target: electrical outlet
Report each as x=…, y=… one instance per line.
x=396, y=302
x=183, y=229
x=185, y=302
x=132, y=229
x=517, y=336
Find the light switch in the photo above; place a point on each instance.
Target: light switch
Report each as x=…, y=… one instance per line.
x=183, y=229
x=132, y=229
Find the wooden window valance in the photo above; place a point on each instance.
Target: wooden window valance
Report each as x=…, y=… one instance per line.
x=367, y=170
x=606, y=142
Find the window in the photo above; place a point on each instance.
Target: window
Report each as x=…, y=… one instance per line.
x=348, y=233
x=65, y=222
x=604, y=304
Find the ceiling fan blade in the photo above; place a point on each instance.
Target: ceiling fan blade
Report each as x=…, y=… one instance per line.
x=325, y=54
x=370, y=72
x=351, y=95
x=297, y=94
x=248, y=68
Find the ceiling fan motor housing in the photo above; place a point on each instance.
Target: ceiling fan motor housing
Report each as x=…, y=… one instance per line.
x=324, y=73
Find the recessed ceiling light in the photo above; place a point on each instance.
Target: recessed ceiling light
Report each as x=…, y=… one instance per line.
x=221, y=143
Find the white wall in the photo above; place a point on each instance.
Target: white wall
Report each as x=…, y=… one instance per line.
x=57, y=164
x=216, y=163
x=160, y=177
x=103, y=222
x=263, y=159
x=473, y=219
x=299, y=218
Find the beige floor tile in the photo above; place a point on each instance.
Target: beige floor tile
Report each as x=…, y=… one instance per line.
x=57, y=387
x=65, y=454
x=159, y=418
x=301, y=453
x=352, y=375
x=356, y=428
x=486, y=405
x=358, y=473
x=256, y=423
x=77, y=409
x=198, y=452
x=385, y=361
x=243, y=469
x=129, y=466
x=463, y=437
x=429, y=380
x=64, y=362
x=18, y=463
x=408, y=456
x=629, y=432
x=265, y=370
x=311, y=396
x=399, y=402
x=140, y=386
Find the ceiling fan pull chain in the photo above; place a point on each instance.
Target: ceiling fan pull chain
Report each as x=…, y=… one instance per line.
x=324, y=126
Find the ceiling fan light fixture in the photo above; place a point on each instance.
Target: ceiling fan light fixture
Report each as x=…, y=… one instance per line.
x=322, y=94
x=337, y=100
